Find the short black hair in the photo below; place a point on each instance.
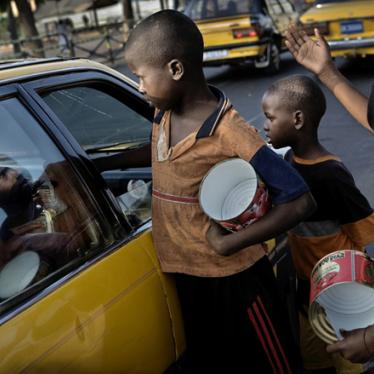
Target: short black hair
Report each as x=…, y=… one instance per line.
x=299, y=92
x=166, y=35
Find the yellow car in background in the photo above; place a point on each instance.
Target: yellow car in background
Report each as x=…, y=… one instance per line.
x=237, y=31
x=348, y=25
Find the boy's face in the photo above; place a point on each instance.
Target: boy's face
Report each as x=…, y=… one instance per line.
x=280, y=121
x=156, y=83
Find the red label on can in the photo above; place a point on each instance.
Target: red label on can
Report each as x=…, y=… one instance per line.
x=258, y=208
x=341, y=266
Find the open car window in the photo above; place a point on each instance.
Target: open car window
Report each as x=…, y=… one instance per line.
x=49, y=222
x=103, y=125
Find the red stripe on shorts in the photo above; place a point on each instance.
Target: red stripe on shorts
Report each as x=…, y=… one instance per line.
x=274, y=334
x=268, y=338
x=261, y=338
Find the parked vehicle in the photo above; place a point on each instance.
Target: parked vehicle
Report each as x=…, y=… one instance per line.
x=236, y=31
x=99, y=302
x=348, y=25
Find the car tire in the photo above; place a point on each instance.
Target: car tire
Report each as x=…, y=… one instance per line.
x=274, y=59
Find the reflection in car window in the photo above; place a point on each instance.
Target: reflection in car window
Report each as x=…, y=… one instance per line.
x=47, y=219
x=103, y=124
x=206, y=9
x=97, y=119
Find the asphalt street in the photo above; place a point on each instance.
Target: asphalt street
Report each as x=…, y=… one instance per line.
x=339, y=132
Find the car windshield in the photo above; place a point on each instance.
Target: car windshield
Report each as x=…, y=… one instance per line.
x=207, y=9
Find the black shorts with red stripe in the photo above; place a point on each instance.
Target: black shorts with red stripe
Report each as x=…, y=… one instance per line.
x=237, y=324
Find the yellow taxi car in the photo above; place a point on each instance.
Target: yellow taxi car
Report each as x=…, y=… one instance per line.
x=348, y=25
x=236, y=31
x=81, y=290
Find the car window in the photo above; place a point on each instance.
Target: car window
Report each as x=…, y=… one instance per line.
x=48, y=220
x=104, y=125
x=206, y=9
x=98, y=120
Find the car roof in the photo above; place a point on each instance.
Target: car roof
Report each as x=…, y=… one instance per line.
x=19, y=70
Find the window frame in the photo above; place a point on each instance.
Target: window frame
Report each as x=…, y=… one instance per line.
x=105, y=82
x=114, y=87
x=85, y=172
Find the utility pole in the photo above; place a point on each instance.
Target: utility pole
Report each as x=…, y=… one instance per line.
x=94, y=10
x=128, y=14
x=27, y=22
x=12, y=28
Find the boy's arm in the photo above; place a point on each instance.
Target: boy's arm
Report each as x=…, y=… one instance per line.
x=316, y=57
x=277, y=221
x=289, y=194
x=140, y=157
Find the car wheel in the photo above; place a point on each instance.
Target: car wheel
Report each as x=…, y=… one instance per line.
x=274, y=59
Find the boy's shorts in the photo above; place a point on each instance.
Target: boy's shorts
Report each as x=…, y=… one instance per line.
x=313, y=351
x=237, y=324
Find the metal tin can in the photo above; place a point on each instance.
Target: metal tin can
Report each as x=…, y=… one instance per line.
x=342, y=294
x=233, y=195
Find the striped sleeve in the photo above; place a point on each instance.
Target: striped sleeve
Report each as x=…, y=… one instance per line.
x=361, y=232
x=354, y=212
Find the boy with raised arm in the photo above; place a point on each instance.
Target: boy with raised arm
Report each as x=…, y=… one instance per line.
x=357, y=345
x=344, y=219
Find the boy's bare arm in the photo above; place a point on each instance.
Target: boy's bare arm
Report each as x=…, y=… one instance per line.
x=278, y=220
x=352, y=99
x=316, y=57
x=140, y=157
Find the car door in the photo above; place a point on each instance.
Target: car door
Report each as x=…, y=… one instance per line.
x=95, y=300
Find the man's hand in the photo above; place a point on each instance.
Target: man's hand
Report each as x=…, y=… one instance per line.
x=353, y=346
x=313, y=55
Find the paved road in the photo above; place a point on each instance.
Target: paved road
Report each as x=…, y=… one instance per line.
x=338, y=132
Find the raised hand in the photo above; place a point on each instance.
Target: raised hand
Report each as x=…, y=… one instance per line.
x=312, y=54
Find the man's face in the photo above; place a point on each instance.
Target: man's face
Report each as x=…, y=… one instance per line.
x=8, y=178
x=15, y=189
x=279, y=123
x=156, y=83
